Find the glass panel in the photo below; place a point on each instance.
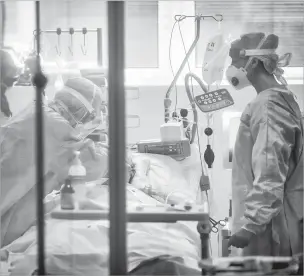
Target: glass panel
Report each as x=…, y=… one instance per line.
x=76, y=47
x=142, y=34
x=70, y=105
x=17, y=133
x=281, y=18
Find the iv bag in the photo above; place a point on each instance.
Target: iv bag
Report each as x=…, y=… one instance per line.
x=215, y=59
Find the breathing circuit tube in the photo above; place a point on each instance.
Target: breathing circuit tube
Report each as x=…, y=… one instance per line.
x=192, y=102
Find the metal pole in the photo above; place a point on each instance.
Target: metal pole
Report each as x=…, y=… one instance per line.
x=167, y=101
x=186, y=58
x=68, y=31
x=39, y=82
x=2, y=30
x=167, y=96
x=99, y=47
x=118, y=258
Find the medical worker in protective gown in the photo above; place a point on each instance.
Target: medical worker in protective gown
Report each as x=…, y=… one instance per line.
x=74, y=106
x=9, y=73
x=267, y=174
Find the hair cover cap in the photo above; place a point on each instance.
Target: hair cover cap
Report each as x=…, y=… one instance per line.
x=80, y=96
x=272, y=62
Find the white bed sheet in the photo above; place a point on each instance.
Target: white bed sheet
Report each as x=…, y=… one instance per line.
x=82, y=247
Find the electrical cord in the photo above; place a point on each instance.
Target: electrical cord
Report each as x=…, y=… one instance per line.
x=192, y=91
x=171, y=66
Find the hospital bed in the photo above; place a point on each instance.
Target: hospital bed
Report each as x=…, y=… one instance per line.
x=82, y=247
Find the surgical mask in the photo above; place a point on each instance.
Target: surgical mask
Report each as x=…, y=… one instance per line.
x=237, y=77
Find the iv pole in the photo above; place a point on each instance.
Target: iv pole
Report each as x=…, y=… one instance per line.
x=179, y=18
x=40, y=82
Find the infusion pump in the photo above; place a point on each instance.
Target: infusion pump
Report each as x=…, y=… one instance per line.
x=172, y=142
x=175, y=149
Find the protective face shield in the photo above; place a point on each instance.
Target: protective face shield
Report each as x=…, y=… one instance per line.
x=237, y=77
x=91, y=119
x=88, y=128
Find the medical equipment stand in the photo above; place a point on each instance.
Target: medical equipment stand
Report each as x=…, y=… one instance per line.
x=198, y=18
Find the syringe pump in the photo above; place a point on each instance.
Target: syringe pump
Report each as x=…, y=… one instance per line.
x=173, y=142
x=175, y=149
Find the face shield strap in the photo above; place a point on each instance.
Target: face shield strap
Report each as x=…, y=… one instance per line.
x=257, y=52
x=257, y=48
x=80, y=98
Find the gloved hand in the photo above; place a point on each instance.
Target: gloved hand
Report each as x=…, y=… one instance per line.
x=90, y=145
x=240, y=239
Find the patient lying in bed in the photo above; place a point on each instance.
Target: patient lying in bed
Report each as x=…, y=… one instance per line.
x=78, y=247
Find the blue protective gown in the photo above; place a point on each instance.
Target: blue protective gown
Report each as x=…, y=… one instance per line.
x=267, y=174
x=18, y=165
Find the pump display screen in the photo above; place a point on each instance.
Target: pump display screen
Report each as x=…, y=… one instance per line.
x=214, y=100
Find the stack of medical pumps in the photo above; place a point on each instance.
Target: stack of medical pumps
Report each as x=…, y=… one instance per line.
x=74, y=188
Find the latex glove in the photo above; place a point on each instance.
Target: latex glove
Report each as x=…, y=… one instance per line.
x=90, y=145
x=240, y=239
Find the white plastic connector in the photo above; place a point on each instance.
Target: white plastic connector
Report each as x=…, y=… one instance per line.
x=172, y=131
